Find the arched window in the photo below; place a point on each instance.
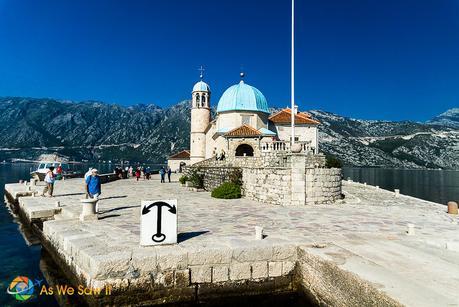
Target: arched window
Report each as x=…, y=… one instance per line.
x=198, y=98
x=244, y=150
x=203, y=99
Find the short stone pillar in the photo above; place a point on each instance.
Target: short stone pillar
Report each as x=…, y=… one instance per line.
x=365, y=184
x=58, y=204
x=452, y=207
x=89, y=209
x=410, y=230
x=33, y=182
x=298, y=180
x=377, y=187
x=397, y=192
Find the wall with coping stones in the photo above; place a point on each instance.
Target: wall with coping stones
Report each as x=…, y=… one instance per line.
x=276, y=179
x=323, y=185
x=268, y=185
x=213, y=176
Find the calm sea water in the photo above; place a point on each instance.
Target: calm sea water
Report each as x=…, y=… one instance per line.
x=19, y=259
x=439, y=186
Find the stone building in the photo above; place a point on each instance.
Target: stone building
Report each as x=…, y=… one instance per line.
x=244, y=126
x=257, y=144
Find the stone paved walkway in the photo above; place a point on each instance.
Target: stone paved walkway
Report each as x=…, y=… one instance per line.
x=365, y=234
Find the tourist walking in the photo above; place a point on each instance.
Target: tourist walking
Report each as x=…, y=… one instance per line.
x=169, y=172
x=137, y=174
x=93, y=185
x=147, y=173
x=49, y=181
x=162, y=173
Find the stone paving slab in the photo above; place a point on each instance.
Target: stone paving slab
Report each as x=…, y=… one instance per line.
x=365, y=234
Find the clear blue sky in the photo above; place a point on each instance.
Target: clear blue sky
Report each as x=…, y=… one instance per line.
x=391, y=59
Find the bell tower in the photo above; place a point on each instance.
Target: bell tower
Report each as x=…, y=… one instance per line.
x=200, y=119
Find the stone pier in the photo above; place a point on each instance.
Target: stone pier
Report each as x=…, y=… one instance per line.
x=356, y=253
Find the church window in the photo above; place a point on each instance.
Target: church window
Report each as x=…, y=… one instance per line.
x=245, y=119
x=198, y=100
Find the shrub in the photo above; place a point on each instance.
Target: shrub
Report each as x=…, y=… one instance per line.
x=227, y=190
x=333, y=162
x=197, y=179
x=183, y=179
x=236, y=177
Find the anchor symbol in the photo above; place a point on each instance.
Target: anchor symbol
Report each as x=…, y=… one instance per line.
x=158, y=236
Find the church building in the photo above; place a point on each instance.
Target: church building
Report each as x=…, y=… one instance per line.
x=243, y=126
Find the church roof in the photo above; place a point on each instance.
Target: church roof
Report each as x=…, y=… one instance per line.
x=184, y=154
x=243, y=131
x=285, y=117
x=242, y=97
x=201, y=86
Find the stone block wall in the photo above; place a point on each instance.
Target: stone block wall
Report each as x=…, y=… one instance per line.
x=267, y=185
x=213, y=176
x=323, y=185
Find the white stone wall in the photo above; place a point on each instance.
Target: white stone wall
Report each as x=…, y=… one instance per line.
x=175, y=164
x=305, y=133
x=323, y=185
x=233, y=120
x=200, y=119
x=267, y=185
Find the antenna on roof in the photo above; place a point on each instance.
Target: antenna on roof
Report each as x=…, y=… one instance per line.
x=201, y=75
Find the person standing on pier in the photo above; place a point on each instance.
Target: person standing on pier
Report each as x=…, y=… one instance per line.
x=169, y=172
x=162, y=173
x=49, y=181
x=93, y=185
x=137, y=173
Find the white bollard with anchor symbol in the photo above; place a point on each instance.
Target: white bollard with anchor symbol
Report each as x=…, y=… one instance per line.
x=158, y=222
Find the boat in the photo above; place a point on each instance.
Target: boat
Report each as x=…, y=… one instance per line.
x=47, y=161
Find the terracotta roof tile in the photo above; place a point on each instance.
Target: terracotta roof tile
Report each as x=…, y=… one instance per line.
x=184, y=154
x=284, y=117
x=243, y=131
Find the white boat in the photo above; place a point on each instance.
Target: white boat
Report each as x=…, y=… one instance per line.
x=47, y=161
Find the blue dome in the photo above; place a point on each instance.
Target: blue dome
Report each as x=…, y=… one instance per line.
x=242, y=97
x=201, y=86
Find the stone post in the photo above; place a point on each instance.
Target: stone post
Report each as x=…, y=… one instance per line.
x=298, y=180
x=397, y=192
x=89, y=209
x=452, y=207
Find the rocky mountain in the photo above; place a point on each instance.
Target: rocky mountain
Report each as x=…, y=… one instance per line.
x=402, y=144
x=96, y=131
x=449, y=118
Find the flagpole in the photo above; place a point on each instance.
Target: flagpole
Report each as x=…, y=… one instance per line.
x=293, y=75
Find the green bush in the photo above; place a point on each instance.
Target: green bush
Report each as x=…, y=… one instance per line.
x=333, y=162
x=227, y=190
x=197, y=179
x=183, y=179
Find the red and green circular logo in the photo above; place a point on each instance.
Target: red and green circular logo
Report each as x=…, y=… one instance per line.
x=21, y=288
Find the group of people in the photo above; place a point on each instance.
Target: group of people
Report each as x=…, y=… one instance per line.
x=219, y=156
x=92, y=179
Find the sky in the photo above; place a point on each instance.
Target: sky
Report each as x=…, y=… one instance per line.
x=391, y=59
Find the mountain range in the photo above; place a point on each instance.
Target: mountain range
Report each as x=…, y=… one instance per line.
x=97, y=131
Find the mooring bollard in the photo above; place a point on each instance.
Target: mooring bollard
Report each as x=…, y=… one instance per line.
x=452, y=207
x=377, y=187
x=397, y=192
x=364, y=183
x=89, y=209
x=34, y=194
x=21, y=181
x=58, y=204
x=258, y=233
x=33, y=182
x=410, y=229
x=29, y=188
